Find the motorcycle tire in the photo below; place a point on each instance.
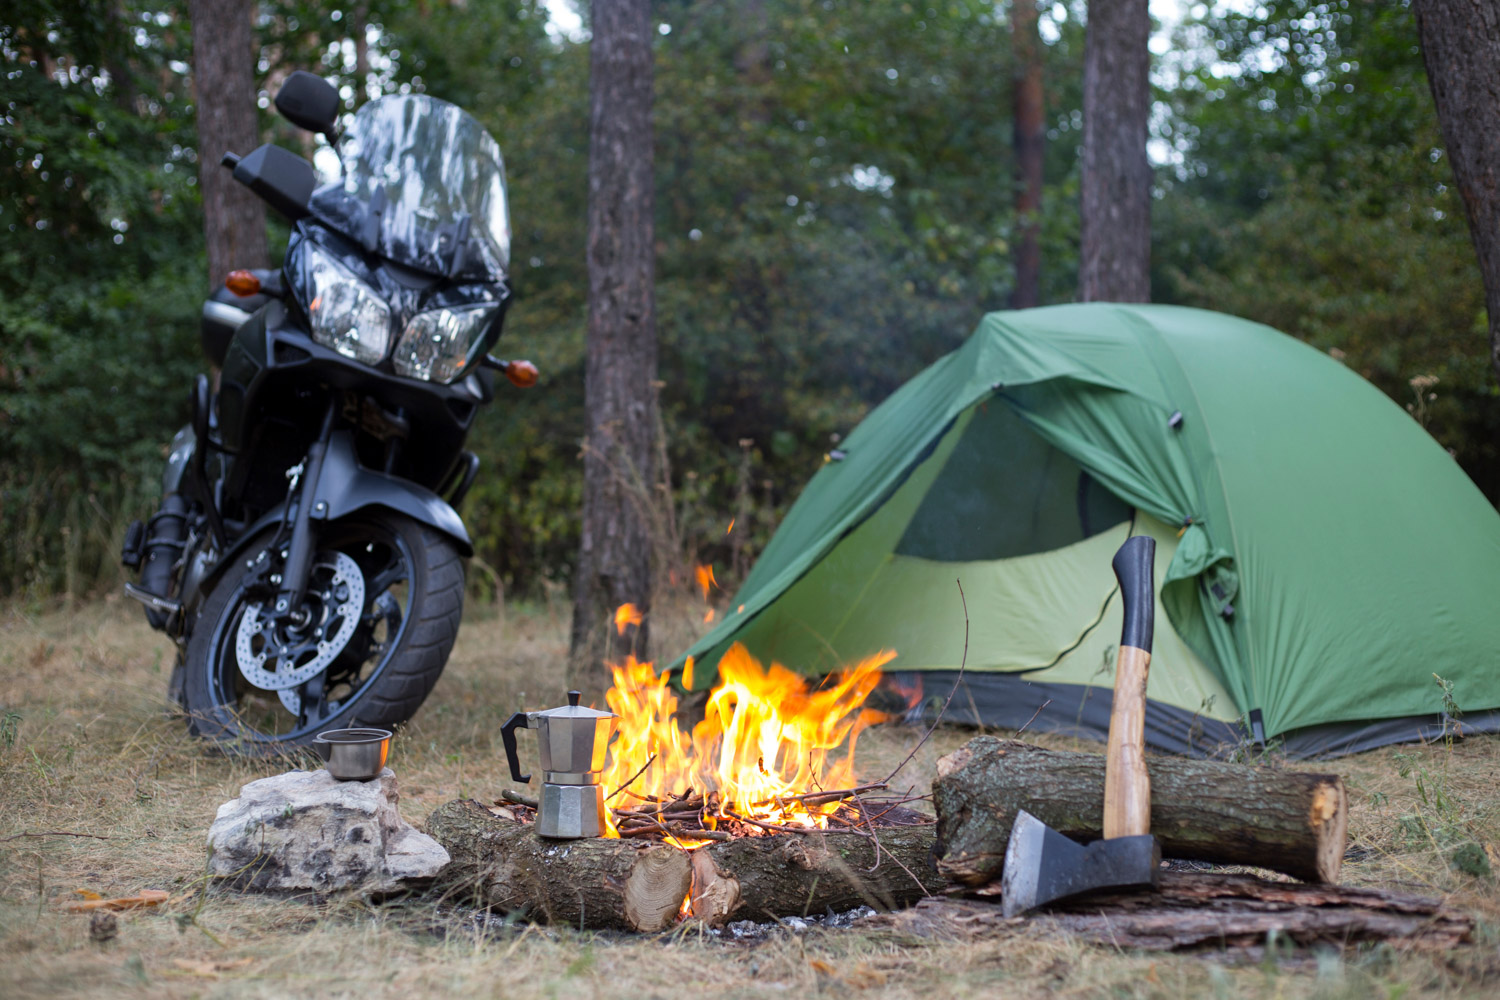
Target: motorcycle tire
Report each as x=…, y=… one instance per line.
x=380, y=673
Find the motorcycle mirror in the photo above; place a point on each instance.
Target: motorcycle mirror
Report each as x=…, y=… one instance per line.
x=309, y=102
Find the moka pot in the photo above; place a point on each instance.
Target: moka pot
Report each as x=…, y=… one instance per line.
x=574, y=745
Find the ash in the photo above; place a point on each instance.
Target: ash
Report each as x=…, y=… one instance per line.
x=750, y=930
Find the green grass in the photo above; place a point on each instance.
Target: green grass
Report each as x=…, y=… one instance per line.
x=87, y=746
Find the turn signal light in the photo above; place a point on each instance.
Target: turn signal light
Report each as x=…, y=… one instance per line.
x=522, y=374
x=242, y=283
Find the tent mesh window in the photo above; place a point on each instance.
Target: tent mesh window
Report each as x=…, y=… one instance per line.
x=1005, y=492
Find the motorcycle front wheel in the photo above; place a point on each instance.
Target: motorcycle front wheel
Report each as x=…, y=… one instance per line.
x=382, y=610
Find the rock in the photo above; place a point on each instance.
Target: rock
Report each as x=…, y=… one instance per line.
x=305, y=830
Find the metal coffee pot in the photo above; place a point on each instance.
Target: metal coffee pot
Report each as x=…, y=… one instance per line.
x=574, y=743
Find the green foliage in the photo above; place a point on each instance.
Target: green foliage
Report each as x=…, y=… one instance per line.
x=834, y=211
x=1342, y=229
x=100, y=276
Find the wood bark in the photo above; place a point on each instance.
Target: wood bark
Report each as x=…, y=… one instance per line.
x=1201, y=810
x=1461, y=51
x=634, y=885
x=1029, y=137
x=1114, y=262
x=614, y=559
x=234, y=220
x=605, y=884
x=1195, y=910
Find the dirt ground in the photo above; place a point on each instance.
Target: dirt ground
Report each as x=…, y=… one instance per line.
x=87, y=747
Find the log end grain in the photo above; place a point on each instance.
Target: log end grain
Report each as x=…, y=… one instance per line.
x=715, y=893
x=1329, y=818
x=656, y=886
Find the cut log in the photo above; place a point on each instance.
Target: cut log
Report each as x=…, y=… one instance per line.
x=1201, y=810
x=631, y=885
x=1196, y=910
x=589, y=883
x=790, y=874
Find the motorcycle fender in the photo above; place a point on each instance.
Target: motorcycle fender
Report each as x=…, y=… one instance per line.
x=179, y=454
x=345, y=487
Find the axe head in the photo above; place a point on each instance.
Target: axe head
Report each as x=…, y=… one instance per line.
x=1042, y=866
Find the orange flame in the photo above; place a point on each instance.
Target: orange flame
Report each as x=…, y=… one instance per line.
x=706, y=579
x=626, y=614
x=766, y=737
x=731, y=526
x=708, y=616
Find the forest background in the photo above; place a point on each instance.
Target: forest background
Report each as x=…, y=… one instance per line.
x=835, y=210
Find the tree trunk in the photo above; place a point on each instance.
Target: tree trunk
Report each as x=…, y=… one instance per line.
x=1461, y=50
x=1200, y=810
x=614, y=559
x=638, y=886
x=234, y=220
x=1215, y=911
x=1114, y=261
x=1029, y=137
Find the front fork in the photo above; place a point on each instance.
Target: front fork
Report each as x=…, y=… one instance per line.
x=300, y=549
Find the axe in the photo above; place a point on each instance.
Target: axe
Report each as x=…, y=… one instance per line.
x=1041, y=865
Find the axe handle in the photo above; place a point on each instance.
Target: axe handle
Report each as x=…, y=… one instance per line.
x=1127, y=786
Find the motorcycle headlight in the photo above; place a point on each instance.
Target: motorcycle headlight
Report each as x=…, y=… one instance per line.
x=439, y=345
x=347, y=315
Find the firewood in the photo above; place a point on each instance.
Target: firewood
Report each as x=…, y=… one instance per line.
x=1202, y=910
x=615, y=884
x=1201, y=810
x=633, y=885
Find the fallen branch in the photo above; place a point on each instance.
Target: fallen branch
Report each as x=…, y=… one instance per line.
x=519, y=799
x=57, y=833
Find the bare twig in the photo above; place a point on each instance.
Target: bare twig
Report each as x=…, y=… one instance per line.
x=57, y=833
x=1034, y=715
x=944, y=711
x=874, y=837
x=627, y=784
x=518, y=798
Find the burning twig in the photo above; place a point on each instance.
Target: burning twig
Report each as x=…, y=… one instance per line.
x=773, y=827
x=833, y=794
x=627, y=784
x=681, y=833
x=961, y=664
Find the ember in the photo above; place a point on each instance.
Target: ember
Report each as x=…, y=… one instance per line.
x=760, y=761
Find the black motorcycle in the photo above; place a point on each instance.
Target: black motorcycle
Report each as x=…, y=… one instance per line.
x=307, y=556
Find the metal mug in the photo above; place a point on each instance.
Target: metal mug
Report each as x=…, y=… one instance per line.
x=353, y=754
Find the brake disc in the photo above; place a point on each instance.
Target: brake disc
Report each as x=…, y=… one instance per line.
x=274, y=655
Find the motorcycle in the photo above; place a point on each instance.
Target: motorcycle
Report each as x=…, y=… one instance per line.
x=307, y=558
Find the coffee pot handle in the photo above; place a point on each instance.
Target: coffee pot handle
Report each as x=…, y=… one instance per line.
x=508, y=735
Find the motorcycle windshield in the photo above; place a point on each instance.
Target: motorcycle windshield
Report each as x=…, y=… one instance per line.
x=423, y=186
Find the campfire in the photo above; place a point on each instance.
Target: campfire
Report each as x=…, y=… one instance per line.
x=773, y=754
x=761, y=761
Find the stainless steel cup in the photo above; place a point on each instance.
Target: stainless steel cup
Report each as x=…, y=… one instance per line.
x=353, y=754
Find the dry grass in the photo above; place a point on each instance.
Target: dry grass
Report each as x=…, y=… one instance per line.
x=89, y=749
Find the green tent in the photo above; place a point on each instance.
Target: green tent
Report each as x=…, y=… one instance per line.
x=1319, y=556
